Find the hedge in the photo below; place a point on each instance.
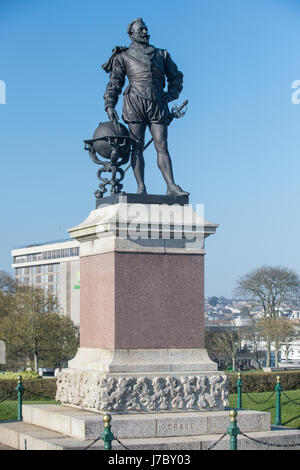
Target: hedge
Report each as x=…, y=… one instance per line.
x=252, y=382
x=265, y=381
x=14, y=375
x=34, y=389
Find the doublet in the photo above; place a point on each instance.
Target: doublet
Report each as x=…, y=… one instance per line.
x=147, y=74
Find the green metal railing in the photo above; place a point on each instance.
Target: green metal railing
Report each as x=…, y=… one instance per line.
x=277, y=390
x=239, y=386
x=20, y=390
x=18, y=394
x=107, y=435
x=232, y=431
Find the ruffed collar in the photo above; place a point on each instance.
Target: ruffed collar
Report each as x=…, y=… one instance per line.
x=141, y=49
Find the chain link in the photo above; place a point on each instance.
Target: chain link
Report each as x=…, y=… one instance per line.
x=98, y=439
x=259, y=402
x=217, y=442
x=92, y=443
x=270, y=444
x=9, y=396
x=116, y=439
x=38, y=394
x=289, y=399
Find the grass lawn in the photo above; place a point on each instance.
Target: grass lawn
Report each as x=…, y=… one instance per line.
x=290, y=412
x=9, y=408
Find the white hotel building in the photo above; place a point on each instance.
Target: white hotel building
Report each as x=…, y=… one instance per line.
x=55, y=267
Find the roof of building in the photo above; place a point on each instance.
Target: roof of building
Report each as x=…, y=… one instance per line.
x=43, y=243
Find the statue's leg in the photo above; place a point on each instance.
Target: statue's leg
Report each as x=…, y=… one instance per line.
x=137, y=135
x=159, y=133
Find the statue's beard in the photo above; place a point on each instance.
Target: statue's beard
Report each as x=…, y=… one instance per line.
x=141, y=39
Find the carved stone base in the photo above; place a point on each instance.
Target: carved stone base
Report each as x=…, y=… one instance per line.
x=123, y=394
x=151, y=381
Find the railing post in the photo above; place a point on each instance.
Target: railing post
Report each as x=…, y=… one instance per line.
x=239, y=385
x=233, y=430
x=278, y=389
x=20, y=397
x=107, y=435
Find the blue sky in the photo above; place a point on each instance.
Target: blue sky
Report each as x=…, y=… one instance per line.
x=236, y=150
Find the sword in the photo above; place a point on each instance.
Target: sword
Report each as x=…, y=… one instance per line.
x=177, y=113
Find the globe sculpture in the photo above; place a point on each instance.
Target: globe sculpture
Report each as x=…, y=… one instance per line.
x=110, y=141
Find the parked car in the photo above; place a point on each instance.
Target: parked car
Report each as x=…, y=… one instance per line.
x=46, y=371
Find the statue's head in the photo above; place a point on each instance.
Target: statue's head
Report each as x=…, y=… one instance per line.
x=138, y=31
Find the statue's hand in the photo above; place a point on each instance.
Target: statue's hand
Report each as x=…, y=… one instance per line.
x=112, y=114
x=167, y=97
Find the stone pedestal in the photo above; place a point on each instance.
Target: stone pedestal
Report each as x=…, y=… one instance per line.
x=142, y=356
x=142, y=310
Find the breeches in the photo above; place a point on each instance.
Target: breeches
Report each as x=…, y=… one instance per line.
x=140, y=110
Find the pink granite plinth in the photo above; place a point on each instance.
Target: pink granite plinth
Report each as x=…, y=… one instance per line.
x=132, y=300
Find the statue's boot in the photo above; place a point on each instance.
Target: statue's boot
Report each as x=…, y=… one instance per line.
x=176, y=190
x=141, y=189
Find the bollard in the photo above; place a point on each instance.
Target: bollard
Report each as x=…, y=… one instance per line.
x=239, y=385
x=233, y=430
x=107, y=435
x=278, y=389
x=20, y=393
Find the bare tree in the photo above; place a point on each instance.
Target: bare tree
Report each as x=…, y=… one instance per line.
x=287, y=342
x=277, y=331
x=224, y=343
x=252, y=334
x=271, y=287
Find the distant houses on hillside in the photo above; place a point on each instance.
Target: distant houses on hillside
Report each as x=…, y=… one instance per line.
x=222, y=313
x=241, y=312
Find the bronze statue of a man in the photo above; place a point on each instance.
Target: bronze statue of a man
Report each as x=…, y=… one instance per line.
x=145, y=101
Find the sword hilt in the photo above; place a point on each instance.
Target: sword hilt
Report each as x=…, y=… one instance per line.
x=179, y=111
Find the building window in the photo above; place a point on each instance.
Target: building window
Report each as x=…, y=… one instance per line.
x=27, y=258
x=31, y=274
x=63, y=253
